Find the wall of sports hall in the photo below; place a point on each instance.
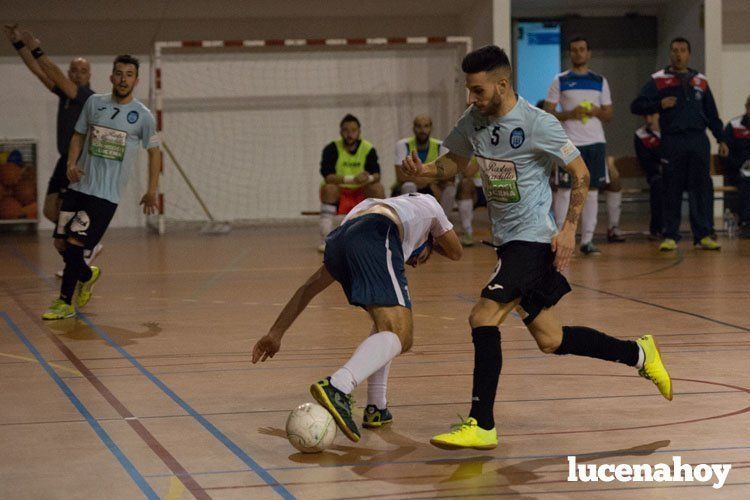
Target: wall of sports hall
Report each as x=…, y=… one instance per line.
x=100, y=31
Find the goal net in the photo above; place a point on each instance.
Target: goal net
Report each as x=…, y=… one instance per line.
x=246, y=121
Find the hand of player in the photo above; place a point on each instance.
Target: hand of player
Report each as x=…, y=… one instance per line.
x=723, y=149
x=266, y=347
x=362, y=177
x=594, y=111
x=577, y=113
x=668, y=102
x=563, y=244
x=31, y=42
x=74, y=173
x=11, y=31
x=412, y=165
x=150, y=203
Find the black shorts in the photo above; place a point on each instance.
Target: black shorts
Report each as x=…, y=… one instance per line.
x=526, y=270
x=59, y=181
x=365, y=255
x=84, y=217
x=481, y=200
x=595, y=157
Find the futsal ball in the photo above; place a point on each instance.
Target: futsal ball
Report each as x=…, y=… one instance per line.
x=310, y=428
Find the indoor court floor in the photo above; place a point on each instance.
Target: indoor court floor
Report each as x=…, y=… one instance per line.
x=151, y=393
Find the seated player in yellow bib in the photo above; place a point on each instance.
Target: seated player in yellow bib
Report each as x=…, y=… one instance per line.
x=351, y=173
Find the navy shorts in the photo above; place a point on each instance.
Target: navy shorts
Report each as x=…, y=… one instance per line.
x=595, y=157
x=59, y=181
x=526, y=269
x=365, y=255
x=84, y=217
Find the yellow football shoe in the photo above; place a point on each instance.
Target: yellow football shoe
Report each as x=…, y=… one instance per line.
x=653, y=367
x=466, y=434
x=86, y=289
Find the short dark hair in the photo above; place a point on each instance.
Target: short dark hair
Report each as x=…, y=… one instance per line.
x=127, y=59
x=487, y=58
x=349, y=118
x=579, y=38
x=680, y=39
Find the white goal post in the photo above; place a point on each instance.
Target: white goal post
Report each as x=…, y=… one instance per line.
x=245, y=121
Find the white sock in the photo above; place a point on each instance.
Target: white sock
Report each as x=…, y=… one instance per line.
x=588, y=217
x=614, y=207
x=408, y=187
x=466, y=212
x=560, y=203
x=448, y=199
x=641, y=358
x=373, y=354
x=377, y=386
x=327, y=212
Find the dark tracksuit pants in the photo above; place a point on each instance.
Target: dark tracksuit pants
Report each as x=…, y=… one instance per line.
x=686, y=167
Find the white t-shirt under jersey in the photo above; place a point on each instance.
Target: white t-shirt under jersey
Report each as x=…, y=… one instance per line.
x=570, y=89
x=420, y=215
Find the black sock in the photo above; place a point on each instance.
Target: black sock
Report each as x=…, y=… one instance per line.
x=583, y=341
x=75, y=270
x=488, y=361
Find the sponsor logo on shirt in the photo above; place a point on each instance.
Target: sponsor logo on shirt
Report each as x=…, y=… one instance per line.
x=567, y=149
x=133, y=116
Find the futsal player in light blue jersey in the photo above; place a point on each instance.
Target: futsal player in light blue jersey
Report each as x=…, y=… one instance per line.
x=102, y=152
x=516, y=145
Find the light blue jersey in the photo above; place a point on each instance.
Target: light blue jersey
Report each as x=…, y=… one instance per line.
x=515, y=154
x=113, y=134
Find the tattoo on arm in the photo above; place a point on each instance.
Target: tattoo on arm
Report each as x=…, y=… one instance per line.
x=578, y=192
x=439, y=169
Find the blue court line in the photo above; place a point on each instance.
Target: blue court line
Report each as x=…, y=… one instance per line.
x=116, y=451
x=213, y=430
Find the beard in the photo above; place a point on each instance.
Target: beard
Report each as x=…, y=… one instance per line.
x=119, y=92
x=492, y=107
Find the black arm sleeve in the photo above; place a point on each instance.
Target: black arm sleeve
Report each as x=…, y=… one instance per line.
x=328, y=160
x=712, y=114
x=647, y=102
x=371, y=162
x=727, y=137
x=58, y=92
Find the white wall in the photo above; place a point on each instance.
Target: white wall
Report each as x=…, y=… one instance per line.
x=30, y=111
x=735, y=61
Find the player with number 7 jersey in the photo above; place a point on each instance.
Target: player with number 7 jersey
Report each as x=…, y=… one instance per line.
x=102, y=153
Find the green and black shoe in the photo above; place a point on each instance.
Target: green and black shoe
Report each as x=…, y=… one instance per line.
x=338, y=404
x=374, y=417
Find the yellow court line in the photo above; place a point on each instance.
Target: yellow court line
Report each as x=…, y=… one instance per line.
x=61, y=368
x=176, y=489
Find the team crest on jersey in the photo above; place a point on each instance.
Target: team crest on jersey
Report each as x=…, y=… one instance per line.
x=133, y=117
x=517, y=137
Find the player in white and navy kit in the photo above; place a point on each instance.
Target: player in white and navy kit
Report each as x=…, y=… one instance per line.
x=102, y=152
x=586, y=103
x=516, y=145
x=367, y=255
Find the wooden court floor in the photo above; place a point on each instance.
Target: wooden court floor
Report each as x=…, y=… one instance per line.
x=150, y=392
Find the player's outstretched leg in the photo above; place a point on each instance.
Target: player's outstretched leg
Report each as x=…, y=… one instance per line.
x=642, y=354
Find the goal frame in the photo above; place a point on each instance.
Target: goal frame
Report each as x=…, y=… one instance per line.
x=156, y=97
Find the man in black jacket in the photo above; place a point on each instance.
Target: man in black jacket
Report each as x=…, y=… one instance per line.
x=736, y=145
x=686, y=107
x=646, y=141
